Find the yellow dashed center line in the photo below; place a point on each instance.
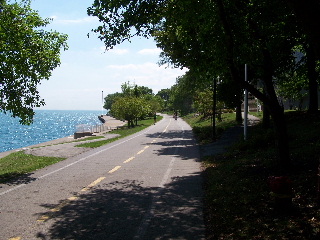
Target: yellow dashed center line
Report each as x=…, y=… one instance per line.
x=57, y=209
x=15, y=238
x=114, y=169
x=93, y=184
x=129, y=159
x=67, y=201
x=73, y=198
x=142, y=150
x=43, y=218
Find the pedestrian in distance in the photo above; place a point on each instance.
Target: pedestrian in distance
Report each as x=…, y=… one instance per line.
x=175, y=116
x=155, y=118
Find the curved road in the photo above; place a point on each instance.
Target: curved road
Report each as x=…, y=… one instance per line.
x=145, y=186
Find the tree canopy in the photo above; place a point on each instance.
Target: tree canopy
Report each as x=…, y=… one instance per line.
x=217, y=38
x=28, y=54
x=130, y=108
x=134, y=102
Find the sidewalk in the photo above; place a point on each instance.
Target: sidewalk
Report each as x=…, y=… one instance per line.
x=228, y=138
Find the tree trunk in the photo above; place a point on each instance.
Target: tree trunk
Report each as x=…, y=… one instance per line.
x=266, y=117
x=282, y=141
x=312, y=76
x=276, y=111
x=130, y=123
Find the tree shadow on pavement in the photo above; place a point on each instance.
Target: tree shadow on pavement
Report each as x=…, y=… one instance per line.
x=186, y=144
x=188, y=134
x=128, y=210
x=13, y=179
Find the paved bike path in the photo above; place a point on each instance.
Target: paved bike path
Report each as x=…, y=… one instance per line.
x=145, y=186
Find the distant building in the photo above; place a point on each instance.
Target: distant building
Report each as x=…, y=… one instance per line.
x=253, y=104
x=300, y=104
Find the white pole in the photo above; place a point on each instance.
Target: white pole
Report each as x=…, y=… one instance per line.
x=245, y=104
x=102, y=104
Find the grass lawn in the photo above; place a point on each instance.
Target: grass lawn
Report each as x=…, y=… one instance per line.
x=18, y=163
x=202, y=128
x=238, y=204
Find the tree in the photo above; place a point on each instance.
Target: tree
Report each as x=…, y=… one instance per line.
x=142, y=90
x=261, y=36
x=203, y=102
x=130, y=108
x=110, y=99
x=155, y=104
x=28, y=55
x=313, y=76
x=307, y=13
x=180, y=101
x=135, y=90
x=133, y=103
x=300, y=82
x=215, y=38
x=164, y=95
x=292, y=89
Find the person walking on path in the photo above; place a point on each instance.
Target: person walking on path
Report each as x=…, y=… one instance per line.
x=155, y=118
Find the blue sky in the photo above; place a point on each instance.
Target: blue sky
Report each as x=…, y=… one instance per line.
x=87, y=69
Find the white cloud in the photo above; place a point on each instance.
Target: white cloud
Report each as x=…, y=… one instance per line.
x=123, y=67
x=57, y=20
x=147, y=74
x=78, y=86
x=150, y=51
x=117, y=51
x=53, y=17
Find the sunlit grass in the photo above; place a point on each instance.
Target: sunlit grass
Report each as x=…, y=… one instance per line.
x=202, y=127
x=19, y=163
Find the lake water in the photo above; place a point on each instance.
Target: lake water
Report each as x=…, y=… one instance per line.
x=48, y=125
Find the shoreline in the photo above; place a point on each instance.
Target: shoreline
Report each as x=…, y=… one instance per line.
x=110, y=122
x=43, y=144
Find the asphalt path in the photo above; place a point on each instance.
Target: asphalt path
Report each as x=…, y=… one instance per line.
x=145, y=186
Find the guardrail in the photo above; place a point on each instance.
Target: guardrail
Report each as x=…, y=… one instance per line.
x=88, y=130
